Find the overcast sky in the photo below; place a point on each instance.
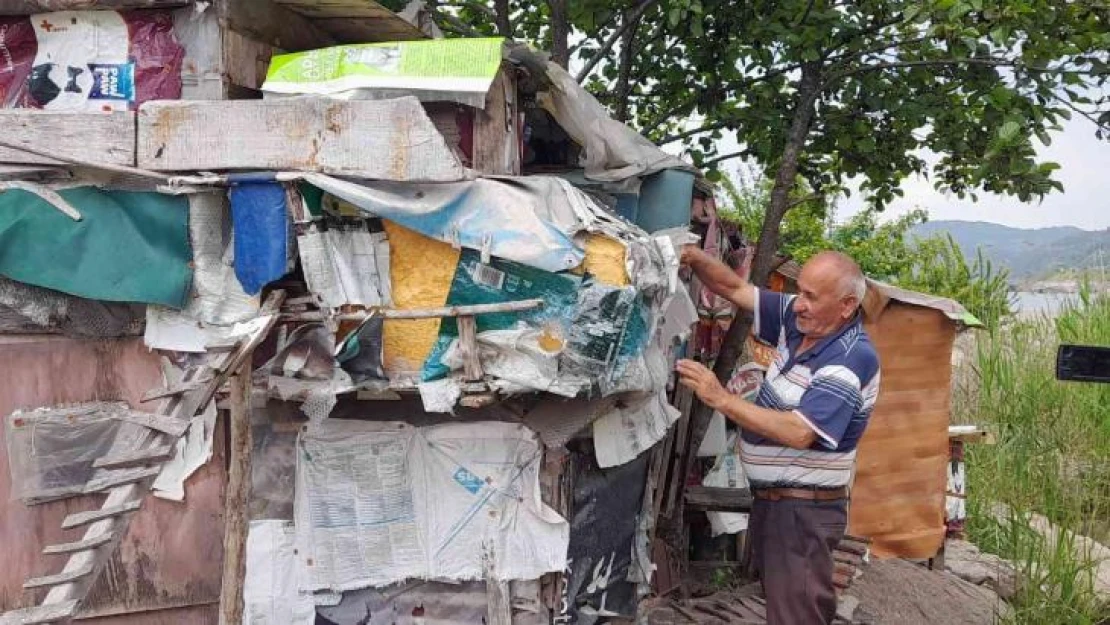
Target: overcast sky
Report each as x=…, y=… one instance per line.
x=1084, y=171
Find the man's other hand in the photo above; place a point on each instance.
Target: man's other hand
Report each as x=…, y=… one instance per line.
x=696, y=377
x=689, y=252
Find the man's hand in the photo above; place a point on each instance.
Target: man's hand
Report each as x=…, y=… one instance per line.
x=689, y=253
x=696, y=377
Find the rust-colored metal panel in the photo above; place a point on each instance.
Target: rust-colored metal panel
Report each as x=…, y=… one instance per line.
x=172, y=553
x=898, y=494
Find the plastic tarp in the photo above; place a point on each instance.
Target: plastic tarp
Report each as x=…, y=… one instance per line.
x=614, y=151
x=89, y=60
x=271, y=586
x=454, y=70
x=128, y=247
x=381, y=502
x=262, y=232
x=531, y=220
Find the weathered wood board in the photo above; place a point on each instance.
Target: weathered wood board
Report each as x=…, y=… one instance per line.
x=171, y=554
x=102, y=138
x=377, y=139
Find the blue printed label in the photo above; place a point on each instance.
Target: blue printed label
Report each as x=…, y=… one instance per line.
x=468, y=480
x=113, y=82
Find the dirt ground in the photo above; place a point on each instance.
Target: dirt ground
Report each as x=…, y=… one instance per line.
x=889, y=592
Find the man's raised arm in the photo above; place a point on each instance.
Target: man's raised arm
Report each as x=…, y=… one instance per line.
x=719, y=277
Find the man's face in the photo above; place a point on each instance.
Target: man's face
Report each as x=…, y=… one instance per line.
x=821, y=305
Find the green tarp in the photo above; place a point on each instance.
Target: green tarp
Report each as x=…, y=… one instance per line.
x=128, y=246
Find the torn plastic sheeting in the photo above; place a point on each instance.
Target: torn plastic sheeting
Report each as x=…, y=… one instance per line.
x=503, y=281
x=377, y=503
x=218, y=301
x=614, y=151
x=51, y=450
x=530, y=220
x=341, y=266
x=271, y=585
x=305, y=369
x=520, y=356
x=727, y=472
x=629, y=430
x=361, y=355
x=455, y=70
x=128, y=247
x=439, y=395
x=262, y=231
x=558, y=421
x=606, y=507
x=191, y=452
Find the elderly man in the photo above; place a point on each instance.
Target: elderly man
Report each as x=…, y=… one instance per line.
x=799, y=438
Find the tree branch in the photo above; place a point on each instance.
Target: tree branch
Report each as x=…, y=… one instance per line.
x=713, y=161
x=991, y=62
x=629, y=20
x=689, y=133
x=1085, y=114
x=501, y=16
x=450, y=22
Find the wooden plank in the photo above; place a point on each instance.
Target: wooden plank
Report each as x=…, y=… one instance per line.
x=173, y=389
x=80, y=545
x=468, y=347
x=160, y=423
x=718, y=499
x=101, y=138
x=236, y=521
x=159, y=453
x=498, y=608
x=35, y=615
x=246, y=60
x=84, y=518
x=422, y=313
x=129, y=477
x=496, y=147
x=61, y=578
x=378, y=139
x=274, y=24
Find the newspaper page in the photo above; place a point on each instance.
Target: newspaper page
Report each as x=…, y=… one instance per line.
x=380, y=502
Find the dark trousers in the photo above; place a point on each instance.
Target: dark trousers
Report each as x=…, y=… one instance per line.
x=792, y=550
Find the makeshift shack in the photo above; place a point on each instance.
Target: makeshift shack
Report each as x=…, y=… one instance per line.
x=325, y=354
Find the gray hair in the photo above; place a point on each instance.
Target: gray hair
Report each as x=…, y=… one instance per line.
x=852, y=281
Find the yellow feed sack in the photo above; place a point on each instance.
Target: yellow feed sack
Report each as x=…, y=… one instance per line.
x=420, y=272
x=605, y=259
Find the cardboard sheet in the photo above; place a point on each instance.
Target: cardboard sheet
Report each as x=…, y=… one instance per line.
x=380, y=502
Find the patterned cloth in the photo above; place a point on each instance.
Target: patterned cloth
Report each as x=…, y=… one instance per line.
x=831, y=387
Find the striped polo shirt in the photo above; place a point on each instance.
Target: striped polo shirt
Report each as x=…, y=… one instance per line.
x=831, y=387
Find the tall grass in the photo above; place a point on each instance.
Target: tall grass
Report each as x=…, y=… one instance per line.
x=1051, y=458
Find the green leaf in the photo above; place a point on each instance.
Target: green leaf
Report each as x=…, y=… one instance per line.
x=1009, y=131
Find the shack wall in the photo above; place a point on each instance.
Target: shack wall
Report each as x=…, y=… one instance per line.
x=171, y=556
x=899, y=490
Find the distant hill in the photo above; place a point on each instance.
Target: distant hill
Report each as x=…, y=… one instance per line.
x=1028, y=254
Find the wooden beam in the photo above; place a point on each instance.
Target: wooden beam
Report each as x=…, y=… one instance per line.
x=160, y=423
x=236, y=522
x=29, y=7
x=159, y=454
x=378, y=139
x=425, y=313
x=78, y=519
x=468, y=347
x=128, y=477
x=80, y=545
x=717, y=499
x=271, y=23
x=38, y=614
x=172, y=389
x=496, y=147
x=498, y=607
x=101, y=138
x=64, y=577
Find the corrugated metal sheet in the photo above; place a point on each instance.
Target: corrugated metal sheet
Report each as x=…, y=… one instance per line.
x=172, y=554
x=899, y=490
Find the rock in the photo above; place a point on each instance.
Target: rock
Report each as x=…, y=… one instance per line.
x=898, y=592
x=846, y=607
x=964, y=560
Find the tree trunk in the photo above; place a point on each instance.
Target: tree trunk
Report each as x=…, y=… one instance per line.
x=624, y=71
x=501, y=12
x=809, y=88
x=560, y=31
